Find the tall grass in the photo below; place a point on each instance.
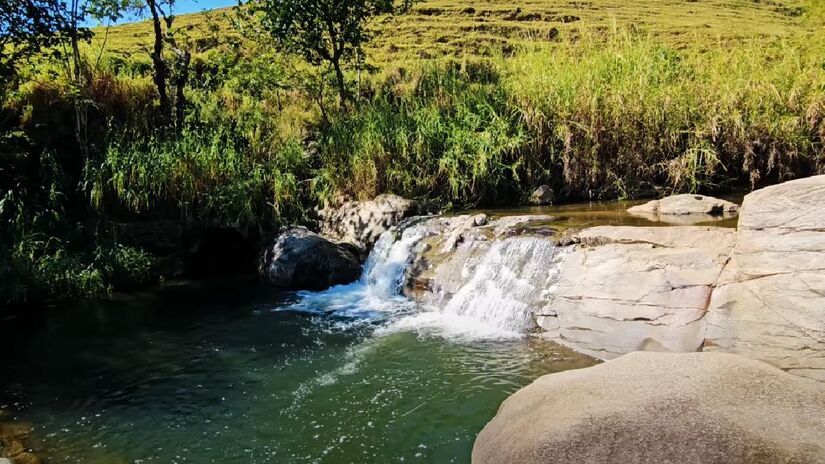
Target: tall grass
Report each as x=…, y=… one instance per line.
x=200, y=175
x=631, y=115
x=622, y=116
x=447, y=135
x=613, y=115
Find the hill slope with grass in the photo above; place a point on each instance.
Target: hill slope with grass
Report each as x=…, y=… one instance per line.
x=438, y=28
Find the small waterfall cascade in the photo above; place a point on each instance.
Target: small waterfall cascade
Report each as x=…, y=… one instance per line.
x=508, y=283
x=384, y=269
x=494, y=285
x=377, y=294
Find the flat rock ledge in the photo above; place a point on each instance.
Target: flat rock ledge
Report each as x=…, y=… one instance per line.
x=623, y=289
x=769, y=303
x=696, y=408
x=686, y=204
x=758, y=291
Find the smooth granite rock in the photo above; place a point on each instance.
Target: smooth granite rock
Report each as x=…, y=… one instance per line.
x=656, y=408
x=624, y=289
x=686, y=204
x=769, y=302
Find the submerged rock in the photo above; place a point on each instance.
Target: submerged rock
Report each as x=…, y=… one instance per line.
x=362, y=222
x=14, y=449
x=543, y=195
x=300, y=259
x=685, y=209
x=657, y=408
x=769, y=302
x=624, y=289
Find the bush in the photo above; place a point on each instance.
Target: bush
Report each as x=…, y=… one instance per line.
x=447, y=137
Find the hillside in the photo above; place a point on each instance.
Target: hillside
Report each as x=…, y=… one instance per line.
x=437, y=28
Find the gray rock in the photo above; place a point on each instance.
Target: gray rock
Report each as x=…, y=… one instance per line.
x=686, y=204
x=543, y=195
x=660, y=408
x=624, y=289
x=300, y=259
x=769, y=303
x=362, y=222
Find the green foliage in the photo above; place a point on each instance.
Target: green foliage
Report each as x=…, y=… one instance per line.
x=45, y=259
x=324, y=31
x=591, y=108
x=449, y=138
x=203, y=175
x=48, y=271
x=29, y=26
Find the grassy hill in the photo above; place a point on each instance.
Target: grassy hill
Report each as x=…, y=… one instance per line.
x=437, y=28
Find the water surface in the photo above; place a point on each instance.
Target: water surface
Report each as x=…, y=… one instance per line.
x=220, y=372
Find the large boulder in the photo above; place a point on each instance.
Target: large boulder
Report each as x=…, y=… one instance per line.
x=661, y=408
x=623, y=289
x=769, y=302
x=300, y=259
x=362, y=222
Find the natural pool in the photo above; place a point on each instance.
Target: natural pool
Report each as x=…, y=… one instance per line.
x=211, y=373
x=229, y=372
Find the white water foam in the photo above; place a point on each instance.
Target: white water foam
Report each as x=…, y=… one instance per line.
x=495, y=301
x=377, y=295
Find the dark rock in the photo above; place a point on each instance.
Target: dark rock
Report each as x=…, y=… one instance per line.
x=543, y=195
x=300, y=259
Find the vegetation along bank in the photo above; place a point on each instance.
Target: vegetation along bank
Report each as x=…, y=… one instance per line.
x=133, y=152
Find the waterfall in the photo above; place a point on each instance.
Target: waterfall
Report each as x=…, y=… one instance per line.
x=384, y=270
x=508, y=283
x=497, y=285
x=376, y=295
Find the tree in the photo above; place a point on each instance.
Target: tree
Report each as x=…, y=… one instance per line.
x=26, y=28
x=326, y=31
x=162, y=70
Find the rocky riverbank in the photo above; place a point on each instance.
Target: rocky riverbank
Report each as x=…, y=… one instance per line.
x=606, y=291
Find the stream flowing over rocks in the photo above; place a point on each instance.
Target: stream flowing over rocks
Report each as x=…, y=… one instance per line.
x=610, y=290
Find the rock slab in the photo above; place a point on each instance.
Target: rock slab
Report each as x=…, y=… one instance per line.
x=302, y=260
x=686, y=204
x=769, y=303
x=624, y=289
x=655, y=408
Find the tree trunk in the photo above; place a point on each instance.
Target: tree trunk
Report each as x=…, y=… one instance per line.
x=184, y=58
x=161, y=70
x=342, y=84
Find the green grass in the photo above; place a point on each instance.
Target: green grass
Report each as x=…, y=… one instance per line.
x=450, y=28
x=472, y=104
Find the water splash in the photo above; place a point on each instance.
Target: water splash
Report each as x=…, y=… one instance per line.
x=377, y=295
x=497, y=290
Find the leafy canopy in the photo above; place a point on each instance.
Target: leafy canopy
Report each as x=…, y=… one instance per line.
x=325, y=30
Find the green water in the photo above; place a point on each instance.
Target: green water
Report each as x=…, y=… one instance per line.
x=221, y=373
